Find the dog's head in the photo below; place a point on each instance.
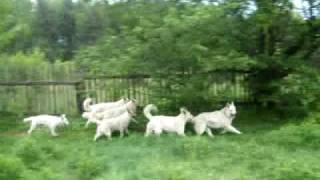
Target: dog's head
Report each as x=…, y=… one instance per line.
x=64, y=119
x=124, y=99
x=230, y=109
x=132, y=107
x=86, y=115
x=186, y=114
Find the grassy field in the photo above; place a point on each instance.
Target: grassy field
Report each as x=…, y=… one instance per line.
x=268, y=149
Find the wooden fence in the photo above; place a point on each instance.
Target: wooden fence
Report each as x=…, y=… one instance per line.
x=109, y=88
x=45, y=88
x=57, y=89
x=38, y=97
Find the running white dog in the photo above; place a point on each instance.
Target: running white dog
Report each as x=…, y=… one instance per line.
x=47, y=120
x=93, y=117
x=119, y=123
x=218, y=119
x=101, y=106
x=158, y=124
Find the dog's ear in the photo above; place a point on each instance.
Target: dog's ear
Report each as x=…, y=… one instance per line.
x=183, y=110
x=134, y=100
x=227, y=105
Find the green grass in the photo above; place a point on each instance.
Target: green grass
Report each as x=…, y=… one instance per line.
x=267, y=149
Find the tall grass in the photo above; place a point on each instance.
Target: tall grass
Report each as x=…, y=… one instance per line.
x=268, y=149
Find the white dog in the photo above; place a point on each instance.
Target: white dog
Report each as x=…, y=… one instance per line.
x=119, y=123
x=90, y=116
x=218, y=119
x=101, y=106
x=47, y=120
x=158, y=124
x=93, y=117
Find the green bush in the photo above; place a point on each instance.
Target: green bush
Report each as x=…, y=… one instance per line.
x=88, y=168
x=48, y=174
x=299, y=92
x=40, y=174
x=52, y=150
x=30, y=152
x=11, y=168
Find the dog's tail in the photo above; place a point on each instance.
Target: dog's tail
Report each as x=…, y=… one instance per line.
x=86, y=104
x=147, y=110
x=27, y=119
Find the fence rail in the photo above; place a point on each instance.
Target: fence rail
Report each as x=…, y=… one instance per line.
x=39, y=83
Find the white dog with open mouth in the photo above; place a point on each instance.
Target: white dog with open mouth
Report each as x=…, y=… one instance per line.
x=158, y=124
x=221, y=119
x=47, y=120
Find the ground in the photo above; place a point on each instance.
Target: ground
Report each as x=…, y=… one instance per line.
x=269, y=148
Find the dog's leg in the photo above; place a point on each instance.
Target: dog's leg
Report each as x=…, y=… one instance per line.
x=148, y=130
x=199, y=128
x=53, y=132
x=223, y=131
x=32, y=127
x=121, y=133
x=208, y=130
x=232, y=129
x=108, y=134
x=181, y=132
x=126, y=130
x=87, y=124
x=158, y=132
x=98, y=134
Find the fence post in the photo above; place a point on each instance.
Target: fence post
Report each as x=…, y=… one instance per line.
x=80, y=95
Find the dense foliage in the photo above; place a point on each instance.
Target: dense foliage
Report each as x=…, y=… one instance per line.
x=274, y=43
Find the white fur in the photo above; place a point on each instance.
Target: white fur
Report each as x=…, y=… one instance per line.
x=90, y=116
x=86, y=104
x=158, y=124
x=101, y=106
x=107, y=126
x=116, y=111
x=221, y=119
x=47, y=120
x=93, y=117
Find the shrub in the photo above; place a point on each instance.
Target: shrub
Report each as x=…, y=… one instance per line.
x=51, y=150
x=297, y=93
x=30, y=152
x=48, y=174
x=10, y=168
x=88, y=168
x=42, y=173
